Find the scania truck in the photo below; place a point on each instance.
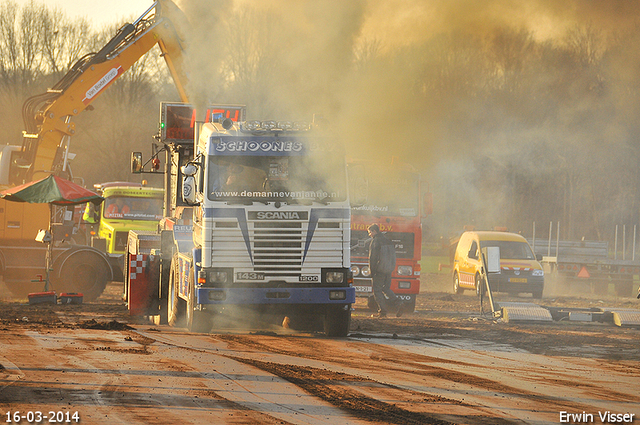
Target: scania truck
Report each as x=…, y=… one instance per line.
x=259, y=221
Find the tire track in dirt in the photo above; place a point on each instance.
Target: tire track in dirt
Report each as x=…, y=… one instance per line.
x=385, y=359
x=326, y=386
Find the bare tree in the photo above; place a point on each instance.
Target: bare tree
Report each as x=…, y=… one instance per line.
x=365, y=52
x=64, y=40
x=250, y=65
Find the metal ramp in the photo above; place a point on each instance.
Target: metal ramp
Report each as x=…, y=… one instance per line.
x=508, y=311
x=624, y=317
x=524, y=312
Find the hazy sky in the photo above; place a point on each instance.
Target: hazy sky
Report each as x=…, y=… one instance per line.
x=98, y=12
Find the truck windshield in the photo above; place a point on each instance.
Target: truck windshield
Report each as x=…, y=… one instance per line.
x=302, y=179
x=390, y=193
x=511, y=250
x=133, y=208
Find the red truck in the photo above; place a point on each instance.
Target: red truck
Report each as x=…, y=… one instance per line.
x=390, y=195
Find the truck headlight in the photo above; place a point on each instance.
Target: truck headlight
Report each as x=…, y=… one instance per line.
x=218, y=277
x=405, y=270
x=355, y=270
x=366, y=271
x=537, y=272
x=334, y=277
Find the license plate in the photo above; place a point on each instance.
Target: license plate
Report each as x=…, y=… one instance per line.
x=364, y=289
x=518, y=279
x=249, y=276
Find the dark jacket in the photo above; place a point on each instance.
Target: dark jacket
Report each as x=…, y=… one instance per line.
x=382, y=254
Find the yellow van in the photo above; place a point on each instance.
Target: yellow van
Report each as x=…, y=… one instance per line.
x=520, y=270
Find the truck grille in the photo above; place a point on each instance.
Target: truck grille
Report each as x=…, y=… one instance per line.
x=276, y=249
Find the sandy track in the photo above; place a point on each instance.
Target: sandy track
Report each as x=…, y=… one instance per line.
x=443, y=364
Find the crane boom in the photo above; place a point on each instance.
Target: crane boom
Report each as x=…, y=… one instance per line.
x=48, y=127
x=48, y=116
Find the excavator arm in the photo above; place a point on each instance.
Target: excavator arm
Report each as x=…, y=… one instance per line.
x=48, y=116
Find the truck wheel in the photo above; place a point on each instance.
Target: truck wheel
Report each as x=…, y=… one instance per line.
x=82, y=270
x=165, y=275
x=456, y=284
x=197, y=320
x=480, y=289
x=337, y=321
x=372, y=305
x=176, y=306
x=537, y=294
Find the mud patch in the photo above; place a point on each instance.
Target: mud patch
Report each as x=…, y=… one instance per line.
x=42, y=314
x=142, y=350
x=113, y=325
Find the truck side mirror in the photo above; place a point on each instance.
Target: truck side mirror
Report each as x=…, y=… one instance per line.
x=189, y=190
x=189, y=184
x=136, y=162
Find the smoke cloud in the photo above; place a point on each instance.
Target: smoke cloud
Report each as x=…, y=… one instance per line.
x=502, y=105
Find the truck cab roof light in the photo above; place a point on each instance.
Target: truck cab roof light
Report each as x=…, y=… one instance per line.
x=251, y=126
x=269, y=125
x=284, y=125
x=300, y=125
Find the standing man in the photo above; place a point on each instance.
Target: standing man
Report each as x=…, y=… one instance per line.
x=382, y=261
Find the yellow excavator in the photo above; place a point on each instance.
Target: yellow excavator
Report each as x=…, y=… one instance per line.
x=48, y=120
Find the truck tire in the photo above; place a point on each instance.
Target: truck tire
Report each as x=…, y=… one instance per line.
x=176, y=307
x=81, y=270
x=456, y=284
x=337, y=321
x=165, y=275
x=480, y=289
x=197, y=320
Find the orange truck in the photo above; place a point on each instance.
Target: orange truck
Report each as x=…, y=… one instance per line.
x=392, y=196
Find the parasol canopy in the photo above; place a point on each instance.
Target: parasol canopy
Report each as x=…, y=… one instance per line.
x=51, y=190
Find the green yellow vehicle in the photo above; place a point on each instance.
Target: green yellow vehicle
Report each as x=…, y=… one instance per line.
x=127, y=206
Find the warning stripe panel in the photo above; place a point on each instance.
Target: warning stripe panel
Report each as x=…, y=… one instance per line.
x=137, y=264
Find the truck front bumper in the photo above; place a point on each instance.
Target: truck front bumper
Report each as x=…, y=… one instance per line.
x=265, y=296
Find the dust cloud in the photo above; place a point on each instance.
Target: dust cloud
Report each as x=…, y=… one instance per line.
x=504, y=106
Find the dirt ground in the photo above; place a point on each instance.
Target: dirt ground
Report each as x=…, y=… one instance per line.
x=445, y=363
